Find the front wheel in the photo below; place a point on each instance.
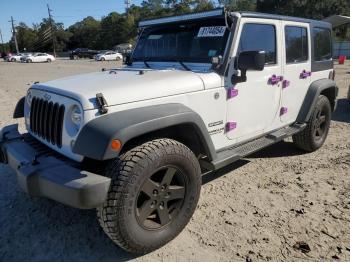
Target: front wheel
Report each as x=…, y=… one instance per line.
x=49, y=60
x=315, y=134
x=153, y=194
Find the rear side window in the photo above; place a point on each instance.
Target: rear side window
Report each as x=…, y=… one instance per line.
x=323, y=44
x=296, y=44
x=259, y=37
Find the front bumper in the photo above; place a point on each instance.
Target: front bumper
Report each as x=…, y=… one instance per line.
x=40, y=173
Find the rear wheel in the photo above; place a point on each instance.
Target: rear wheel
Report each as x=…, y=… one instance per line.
x=103, y=59
x=154, y=192
x=315, y=134
x=75, y=57
x=29, y=61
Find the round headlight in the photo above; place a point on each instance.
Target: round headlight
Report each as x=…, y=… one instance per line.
x=74, y=120
x=76, y=116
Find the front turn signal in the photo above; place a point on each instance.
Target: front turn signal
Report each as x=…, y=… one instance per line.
x=116, y=145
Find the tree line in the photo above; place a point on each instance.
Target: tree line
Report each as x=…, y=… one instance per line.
x=116, y=28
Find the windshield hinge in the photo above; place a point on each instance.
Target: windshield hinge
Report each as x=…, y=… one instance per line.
x=101, y=103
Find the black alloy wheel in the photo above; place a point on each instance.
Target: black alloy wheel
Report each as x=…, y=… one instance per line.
x=320, y=124
x=316, y=131
x=160, y=198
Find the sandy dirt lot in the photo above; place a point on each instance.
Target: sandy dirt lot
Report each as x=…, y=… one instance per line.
x=257, y=209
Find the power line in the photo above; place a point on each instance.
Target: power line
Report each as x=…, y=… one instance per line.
x=52, y=31
x=14, y=33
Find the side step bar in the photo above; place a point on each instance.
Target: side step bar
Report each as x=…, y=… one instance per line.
x=235, y=153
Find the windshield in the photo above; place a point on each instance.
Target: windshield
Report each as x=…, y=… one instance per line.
x=192, y=42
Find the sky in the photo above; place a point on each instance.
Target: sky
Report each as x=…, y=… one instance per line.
x=66, y=11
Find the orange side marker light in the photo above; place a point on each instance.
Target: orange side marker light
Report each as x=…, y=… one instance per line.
x=116, y=145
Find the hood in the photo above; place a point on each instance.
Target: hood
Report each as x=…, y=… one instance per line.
x=126, y=85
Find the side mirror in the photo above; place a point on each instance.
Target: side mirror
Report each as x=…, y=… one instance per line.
x=216, y=61
x=251, y=60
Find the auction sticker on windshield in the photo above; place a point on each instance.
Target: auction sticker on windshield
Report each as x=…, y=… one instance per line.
x=212, y=31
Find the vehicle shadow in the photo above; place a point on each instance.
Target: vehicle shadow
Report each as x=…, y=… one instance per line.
x=342, y=112
x=280, y=149
x=210, y=176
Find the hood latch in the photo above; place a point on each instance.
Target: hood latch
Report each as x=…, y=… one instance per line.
x=101, y=103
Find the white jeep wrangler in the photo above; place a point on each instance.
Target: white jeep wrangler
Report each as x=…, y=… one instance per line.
x=200, y=91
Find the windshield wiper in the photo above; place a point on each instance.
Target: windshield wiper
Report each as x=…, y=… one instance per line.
x=184, y=66
x=146, y=64
x=181, y=63
x=145, y=61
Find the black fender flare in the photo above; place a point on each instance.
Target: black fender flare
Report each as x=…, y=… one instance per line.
x=19, y=109
x=95, y=138
x=315, y=89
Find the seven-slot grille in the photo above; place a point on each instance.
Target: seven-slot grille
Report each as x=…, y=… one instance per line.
x=46, y=120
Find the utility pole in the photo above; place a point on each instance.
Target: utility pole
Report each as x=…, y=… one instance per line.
x=127, y=4
x=52, y=31
x=2, y=42
x=14, y=33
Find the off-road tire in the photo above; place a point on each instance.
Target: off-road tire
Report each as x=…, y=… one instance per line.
x=129, y=173
x=307, y=140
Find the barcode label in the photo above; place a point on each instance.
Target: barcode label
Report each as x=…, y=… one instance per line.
x=212, y=31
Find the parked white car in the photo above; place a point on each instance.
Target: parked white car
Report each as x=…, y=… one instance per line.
x=39, y=57
x=109, y=56
x=15, y=57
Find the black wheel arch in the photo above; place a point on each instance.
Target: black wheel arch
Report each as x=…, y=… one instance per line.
x=19, y=109
x=138, y=125
x=324, y=87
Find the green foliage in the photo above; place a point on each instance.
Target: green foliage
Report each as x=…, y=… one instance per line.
x=239, y=5
x=315, y=9
x=39, y=38
x=204, y=5
x=85, y=33
x=5, y=47
x=26, y=37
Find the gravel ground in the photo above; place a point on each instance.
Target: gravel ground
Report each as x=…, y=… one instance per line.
x=257, y=209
